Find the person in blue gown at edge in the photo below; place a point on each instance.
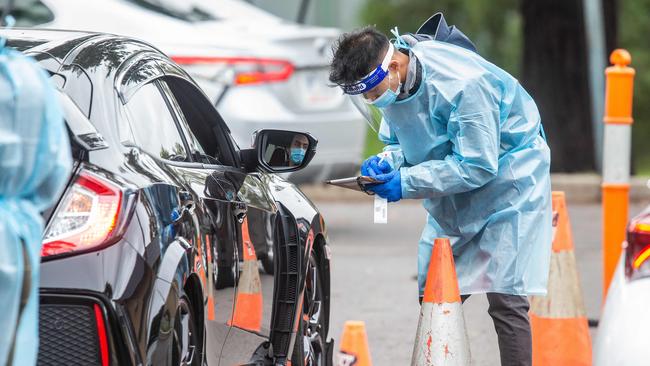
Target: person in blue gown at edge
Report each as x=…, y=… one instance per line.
x=35, y=163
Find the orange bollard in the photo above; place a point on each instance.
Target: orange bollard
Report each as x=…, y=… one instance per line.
x=248, y=302
x=558, y=321
x=616, y=159
x=354, y=345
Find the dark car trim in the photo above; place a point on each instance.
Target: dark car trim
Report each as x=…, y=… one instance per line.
x=123, y=276
x=119, y=348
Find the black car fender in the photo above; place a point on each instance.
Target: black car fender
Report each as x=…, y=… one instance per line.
x=175, y=277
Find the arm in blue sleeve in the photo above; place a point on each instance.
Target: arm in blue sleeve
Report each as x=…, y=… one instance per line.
x=392, y=150
x=473, y=129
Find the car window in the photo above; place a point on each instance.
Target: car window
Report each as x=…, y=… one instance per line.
x=195, y=147
x=182, y=10
x=153, y=124
x=208, y=10
x=29, y=13
x=203, y=121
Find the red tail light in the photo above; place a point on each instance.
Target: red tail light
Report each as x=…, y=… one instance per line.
x=247, y=70
x=102, y=337
x=86, y=218
x=637, y=251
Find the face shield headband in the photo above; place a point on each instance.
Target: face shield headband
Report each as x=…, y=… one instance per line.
x=373, y=78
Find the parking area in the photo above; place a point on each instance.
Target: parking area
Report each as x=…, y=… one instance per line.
x=374, y=268
x=156, y=157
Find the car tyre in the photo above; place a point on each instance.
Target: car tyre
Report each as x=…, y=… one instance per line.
x=186, y=341
x=310, y=346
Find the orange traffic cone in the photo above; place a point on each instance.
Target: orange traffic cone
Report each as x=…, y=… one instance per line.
x=354, y=345
x=248, y=304
x=208, y=244
x=559, y=325
x=441, y=337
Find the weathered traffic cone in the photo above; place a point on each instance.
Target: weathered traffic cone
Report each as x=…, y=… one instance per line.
x=558, y=321
x=441, y=337
x=210, y=278
x=248, y=304
x=354, y=345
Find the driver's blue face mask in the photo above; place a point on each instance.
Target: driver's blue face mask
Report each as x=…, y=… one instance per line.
x=297, y=155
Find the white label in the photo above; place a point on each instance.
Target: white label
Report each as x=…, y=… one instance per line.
x=346, y=359
x=381, y=210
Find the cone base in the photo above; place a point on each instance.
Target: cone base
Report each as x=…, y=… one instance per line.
x=441, y=337
x=561, y=342
x=354, y=345
x=248, y=312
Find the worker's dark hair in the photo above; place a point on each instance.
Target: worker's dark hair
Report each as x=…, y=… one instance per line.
x=356, y=54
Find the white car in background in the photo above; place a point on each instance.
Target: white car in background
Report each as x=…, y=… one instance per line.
x=259, y=70
x=623, y=337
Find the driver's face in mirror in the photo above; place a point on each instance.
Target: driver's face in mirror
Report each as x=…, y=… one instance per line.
x=299, y=146
x=286, y=149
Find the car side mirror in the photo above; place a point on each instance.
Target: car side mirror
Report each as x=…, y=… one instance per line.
x=279, y=151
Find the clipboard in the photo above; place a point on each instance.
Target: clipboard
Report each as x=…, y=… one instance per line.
x=355, y=183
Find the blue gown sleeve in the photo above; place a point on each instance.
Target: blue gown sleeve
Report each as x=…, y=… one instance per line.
x=392, y=152
x=473, y=130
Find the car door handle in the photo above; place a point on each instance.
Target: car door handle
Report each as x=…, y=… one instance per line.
x=186, y=204
x=239, y=210
x=186, y=198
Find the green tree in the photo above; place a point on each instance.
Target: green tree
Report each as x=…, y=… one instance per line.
x=555, y=73
x=633, y=28
x=540, y=42
x=494, y=26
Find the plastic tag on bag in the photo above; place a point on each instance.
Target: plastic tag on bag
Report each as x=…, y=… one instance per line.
x=381, y=210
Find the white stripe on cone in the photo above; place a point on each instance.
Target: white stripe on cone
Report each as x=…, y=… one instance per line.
x=441, y=337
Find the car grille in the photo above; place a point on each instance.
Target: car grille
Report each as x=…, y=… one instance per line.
x=68, y=335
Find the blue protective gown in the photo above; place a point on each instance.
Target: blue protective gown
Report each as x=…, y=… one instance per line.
x=469, y=143
x=35, y=162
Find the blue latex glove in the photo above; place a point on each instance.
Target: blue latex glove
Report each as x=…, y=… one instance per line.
x=374, y=166
x=391, y=188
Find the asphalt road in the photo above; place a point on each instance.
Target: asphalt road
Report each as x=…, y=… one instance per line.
x=374, y=268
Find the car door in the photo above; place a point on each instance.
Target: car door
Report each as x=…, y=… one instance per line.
x=166, y=211
x=231, y=193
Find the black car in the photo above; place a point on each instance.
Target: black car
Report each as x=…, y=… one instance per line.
x=151, y=254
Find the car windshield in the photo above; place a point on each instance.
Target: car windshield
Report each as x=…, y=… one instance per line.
x=206, y=10
x=29, y=13
x=184, y=10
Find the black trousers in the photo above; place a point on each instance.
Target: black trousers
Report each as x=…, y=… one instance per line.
x=510, y=317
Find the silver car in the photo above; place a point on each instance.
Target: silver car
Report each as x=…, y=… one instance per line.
x=623, y=330
x=259, y=70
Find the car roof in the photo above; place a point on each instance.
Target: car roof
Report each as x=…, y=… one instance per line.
x=97, y=71
x=60, y=44
x=90, y=67
x=25, y=39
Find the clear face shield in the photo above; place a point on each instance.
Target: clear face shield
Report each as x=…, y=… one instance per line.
x=356, y=91
x=370, y=113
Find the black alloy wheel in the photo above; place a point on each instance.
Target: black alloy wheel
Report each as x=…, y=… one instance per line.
x=186, y=346
x=309, y=349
